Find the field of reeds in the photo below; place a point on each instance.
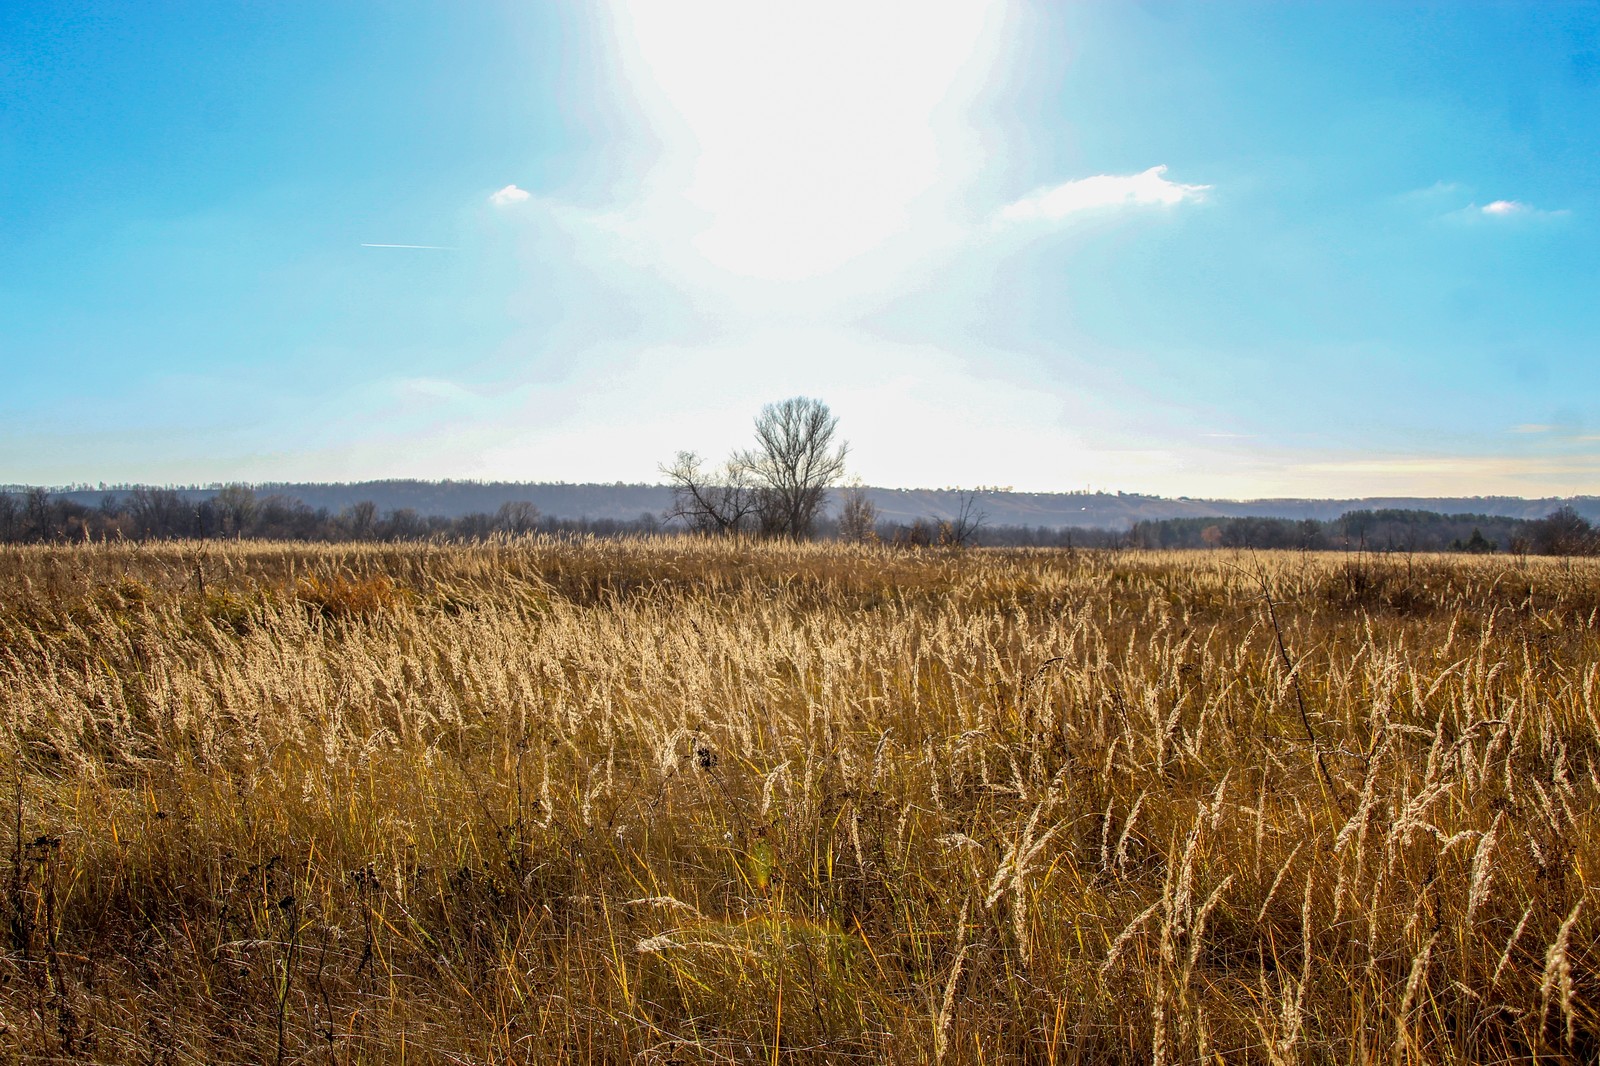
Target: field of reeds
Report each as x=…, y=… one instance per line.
x=680, y=802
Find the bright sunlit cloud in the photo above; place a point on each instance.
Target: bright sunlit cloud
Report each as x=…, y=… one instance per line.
x=508, y=196
x=1145, y=189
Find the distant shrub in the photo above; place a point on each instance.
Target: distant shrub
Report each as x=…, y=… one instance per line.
x=1477, y=544
x=342, y=597
x=234, y=609
x=1366, y=584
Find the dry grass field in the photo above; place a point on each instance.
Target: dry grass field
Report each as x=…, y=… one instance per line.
x=690, y=802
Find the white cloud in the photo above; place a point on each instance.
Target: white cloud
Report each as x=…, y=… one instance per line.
x=509, y=195
x=1507, y=210
x=1532, y=427
x=1474, y=211
x=1147, y=188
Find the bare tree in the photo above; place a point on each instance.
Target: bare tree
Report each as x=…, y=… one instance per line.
x=962, y=529
x=517, y=516
x=1564, y=532
x=858, y=517
x=38, y=512
x=236, y=509
x=403, y=523
x=779, y=486
x=794, y=463
x=721, y=500
x=10, y=517
x=161, y=512
x=360, y=519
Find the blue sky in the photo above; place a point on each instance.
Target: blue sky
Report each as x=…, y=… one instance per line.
x=1193, y=249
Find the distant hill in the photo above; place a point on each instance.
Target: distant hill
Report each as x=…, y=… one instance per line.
x=1100, y=510
x=1052, y=510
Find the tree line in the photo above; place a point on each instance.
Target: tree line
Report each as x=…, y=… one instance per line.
x=36, y=515
x=1562, y=532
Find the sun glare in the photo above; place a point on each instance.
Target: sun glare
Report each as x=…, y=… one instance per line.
x=799, y=138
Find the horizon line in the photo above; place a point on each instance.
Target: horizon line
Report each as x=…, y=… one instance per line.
x=981, y=490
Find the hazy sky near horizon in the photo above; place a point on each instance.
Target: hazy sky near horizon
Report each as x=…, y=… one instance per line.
x=1226, y=249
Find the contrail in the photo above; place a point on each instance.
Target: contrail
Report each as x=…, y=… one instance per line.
x=423, y=247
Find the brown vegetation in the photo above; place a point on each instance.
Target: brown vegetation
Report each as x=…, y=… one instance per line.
x=708, y=801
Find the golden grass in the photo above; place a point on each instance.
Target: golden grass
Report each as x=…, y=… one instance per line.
x=681, y=801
